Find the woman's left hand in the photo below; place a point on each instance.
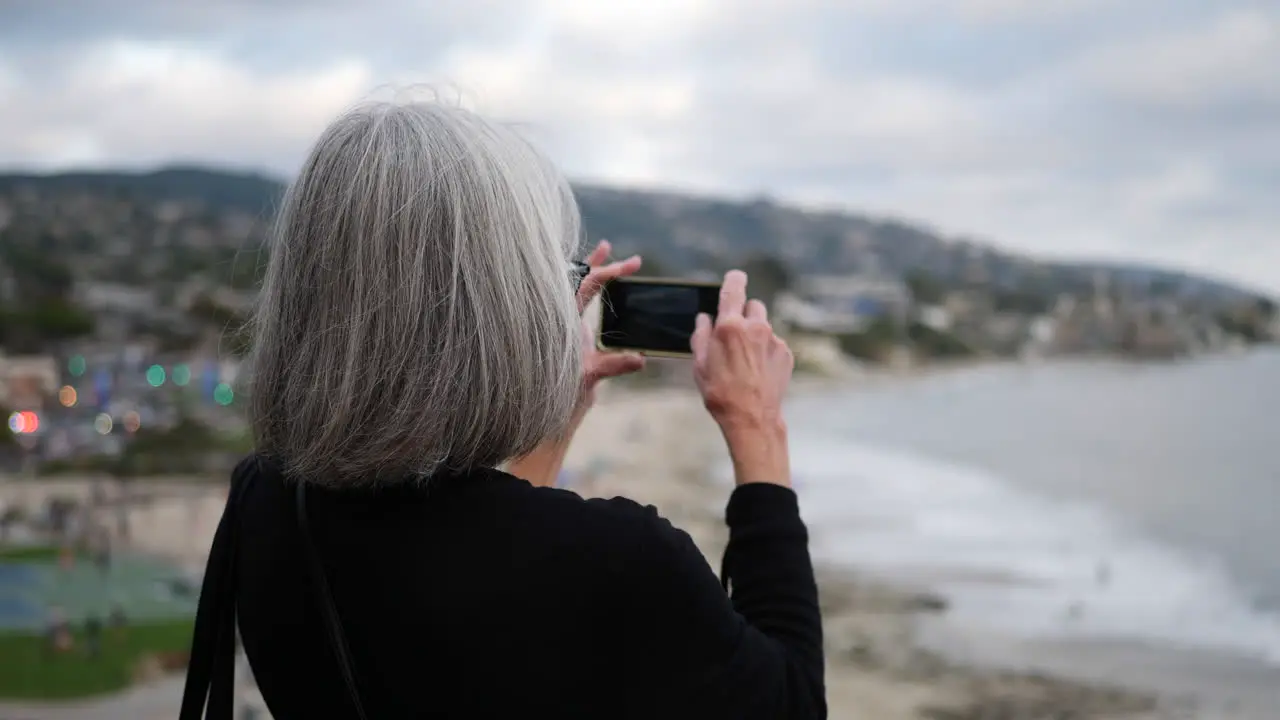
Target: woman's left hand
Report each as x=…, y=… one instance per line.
x=599, y=365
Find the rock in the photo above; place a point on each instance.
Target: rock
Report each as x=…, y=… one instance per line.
x=154, y=666
x=861, y=655
x=148, y=669
x=925, y=602
x=175, y=661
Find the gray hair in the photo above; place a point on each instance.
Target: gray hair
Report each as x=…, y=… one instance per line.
x=418, y=310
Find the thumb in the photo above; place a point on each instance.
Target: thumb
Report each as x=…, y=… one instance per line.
x=607, y=365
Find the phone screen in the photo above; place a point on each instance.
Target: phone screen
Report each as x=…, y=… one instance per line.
x=655, y=316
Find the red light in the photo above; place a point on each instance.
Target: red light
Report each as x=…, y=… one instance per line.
x=24, y=422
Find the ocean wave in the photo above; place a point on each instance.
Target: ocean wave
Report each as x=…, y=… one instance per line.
x=1014, y=562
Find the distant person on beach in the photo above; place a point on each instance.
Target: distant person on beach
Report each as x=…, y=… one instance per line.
x=122, y=518
x=117, y=621
x=58, y=630
x=420, y=327
x=102, y=550
x=93, y=635
x=66, y=556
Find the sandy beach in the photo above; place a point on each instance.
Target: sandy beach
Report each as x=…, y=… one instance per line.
x=658, y=446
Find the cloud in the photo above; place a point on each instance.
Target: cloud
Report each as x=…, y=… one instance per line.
x=1234, y=56
x=1137, y=130
x=140, y=104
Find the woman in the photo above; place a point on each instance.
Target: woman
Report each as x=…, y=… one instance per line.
x=418, y=328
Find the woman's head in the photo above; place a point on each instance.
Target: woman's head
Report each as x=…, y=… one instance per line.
x=418, y=307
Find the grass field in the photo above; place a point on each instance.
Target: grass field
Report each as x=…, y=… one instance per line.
x=30, y=554
x=160, y=622
x=28, y=670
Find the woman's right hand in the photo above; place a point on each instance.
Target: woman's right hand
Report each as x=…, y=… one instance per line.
x=742, y=370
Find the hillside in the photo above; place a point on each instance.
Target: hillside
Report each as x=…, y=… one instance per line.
x=678, y=233
x=220, y=190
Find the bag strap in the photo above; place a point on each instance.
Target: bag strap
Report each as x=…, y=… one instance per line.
x=209, y=691
x=337, y=640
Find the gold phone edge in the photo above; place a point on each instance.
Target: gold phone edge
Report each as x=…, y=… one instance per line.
x=670, y=281
x=647, y=353
x=652, y=281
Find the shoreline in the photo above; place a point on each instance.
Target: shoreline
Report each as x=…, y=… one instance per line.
x=878, y=665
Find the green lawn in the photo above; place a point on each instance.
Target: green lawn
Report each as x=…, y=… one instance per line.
x=158, y=623
x=29, y=554
x=29, y=671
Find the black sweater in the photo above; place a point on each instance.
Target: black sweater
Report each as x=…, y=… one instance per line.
x=483, y=596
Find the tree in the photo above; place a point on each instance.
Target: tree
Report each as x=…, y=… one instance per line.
x=1163, y=288
x=1266, y=308
x=768, y=276
x=926, y=288
x=873, y=343
x=207, y=309
x=7, y=440
x=247, y=268
x=1021, y=302
x=33, y=327
x=230, y=325
x=41, y=310
x=36, y=274
x=932, y=343
x=877, y=341
x=654, y=267
x=181, y=448
x=1243, y=324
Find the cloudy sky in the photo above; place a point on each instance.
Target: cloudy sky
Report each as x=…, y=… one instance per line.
x=1145, y=129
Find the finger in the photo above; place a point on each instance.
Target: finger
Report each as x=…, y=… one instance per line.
x=607, y=365
x=733, y=294
x=601, y=254
x=756, y=310
x=603, y=275
x=701, y=335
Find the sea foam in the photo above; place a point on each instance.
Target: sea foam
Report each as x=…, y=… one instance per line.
x=1010, y=561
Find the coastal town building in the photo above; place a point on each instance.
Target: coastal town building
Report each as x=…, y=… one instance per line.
x=850, y=302
x=25, y=381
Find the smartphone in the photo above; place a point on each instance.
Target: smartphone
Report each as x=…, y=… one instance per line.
x=654, y=316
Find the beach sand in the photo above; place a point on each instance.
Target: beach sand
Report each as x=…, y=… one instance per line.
x=658, y=446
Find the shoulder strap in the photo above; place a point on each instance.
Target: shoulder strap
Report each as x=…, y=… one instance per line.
x=337, y=640
x=211, y=666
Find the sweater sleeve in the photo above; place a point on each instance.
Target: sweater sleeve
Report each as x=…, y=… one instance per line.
x=698, y=652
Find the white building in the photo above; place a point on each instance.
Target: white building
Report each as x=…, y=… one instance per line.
x=850, y=302
x=936, y=317
x=792, y=311
x=111, y=297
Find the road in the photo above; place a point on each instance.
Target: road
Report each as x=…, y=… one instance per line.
x=154, y=701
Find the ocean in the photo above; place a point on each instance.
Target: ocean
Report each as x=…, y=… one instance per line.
x=1131, y=505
